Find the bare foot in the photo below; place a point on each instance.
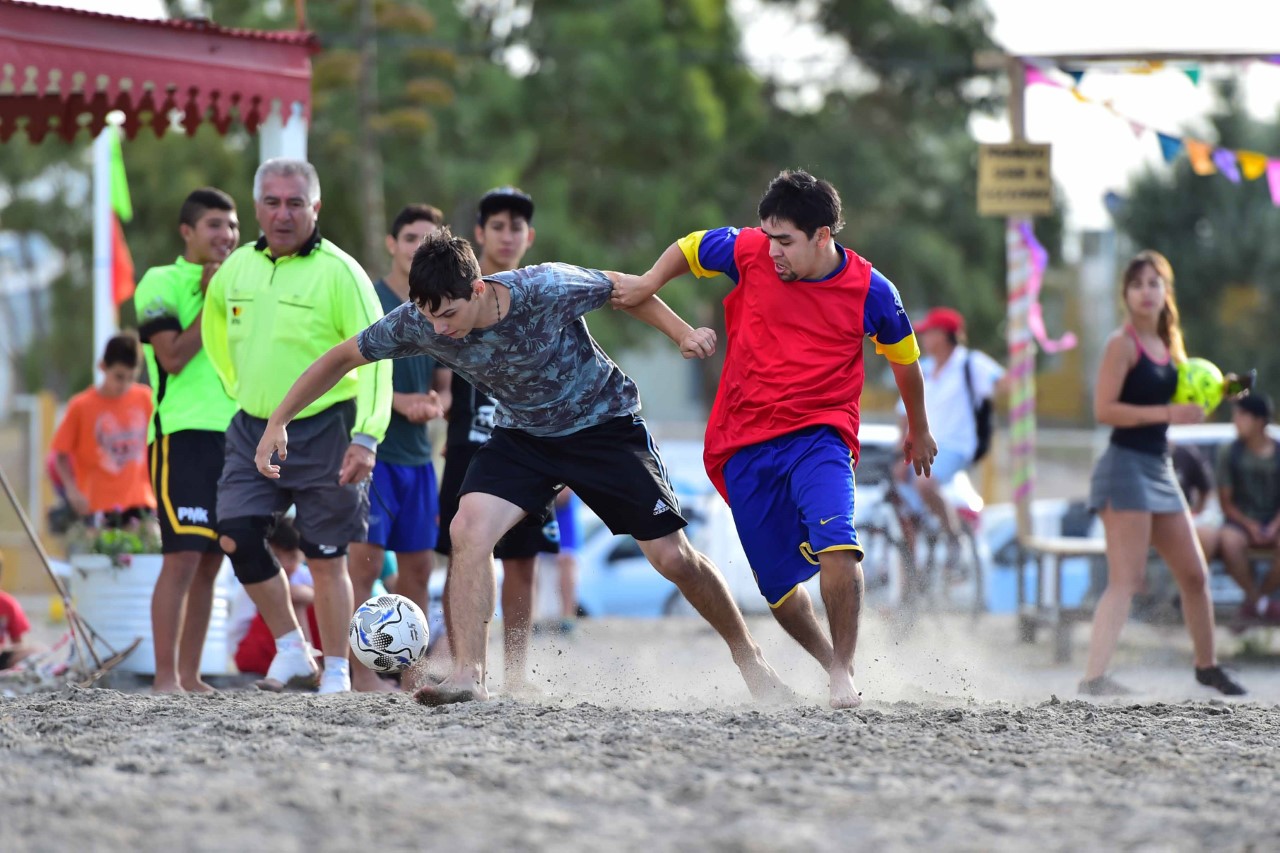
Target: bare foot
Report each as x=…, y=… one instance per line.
x=450, y=691
x=844, y=694
x=765, y=685
x=199, y=687
x=422, y=671
x=166, y=687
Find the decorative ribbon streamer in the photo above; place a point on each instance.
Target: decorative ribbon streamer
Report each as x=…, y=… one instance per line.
x=1035, y=277
x=1022, y=354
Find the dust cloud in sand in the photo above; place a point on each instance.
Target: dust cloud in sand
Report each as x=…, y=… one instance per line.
x=645, y=739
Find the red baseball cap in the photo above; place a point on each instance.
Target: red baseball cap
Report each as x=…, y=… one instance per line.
x=946, y=319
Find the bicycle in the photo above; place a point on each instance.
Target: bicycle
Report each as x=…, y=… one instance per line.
x=938, y=574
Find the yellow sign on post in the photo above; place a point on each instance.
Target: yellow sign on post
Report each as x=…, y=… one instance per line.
x=1014, y=180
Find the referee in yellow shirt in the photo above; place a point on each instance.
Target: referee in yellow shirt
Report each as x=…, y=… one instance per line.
x=272, y=309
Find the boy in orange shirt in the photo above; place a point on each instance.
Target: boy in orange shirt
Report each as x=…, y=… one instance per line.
x=101, y=444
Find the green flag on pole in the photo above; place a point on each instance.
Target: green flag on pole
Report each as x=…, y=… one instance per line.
x=120, y=201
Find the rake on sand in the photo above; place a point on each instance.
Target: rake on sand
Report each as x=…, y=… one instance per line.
x=83, y=636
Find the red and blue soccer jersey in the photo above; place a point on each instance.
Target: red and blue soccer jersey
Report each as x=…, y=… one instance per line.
x=793, y=357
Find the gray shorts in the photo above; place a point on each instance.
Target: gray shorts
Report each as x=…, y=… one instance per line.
x=1127, y=479
x=328, y=514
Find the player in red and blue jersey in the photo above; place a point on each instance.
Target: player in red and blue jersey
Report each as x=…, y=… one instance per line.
x=782, y=438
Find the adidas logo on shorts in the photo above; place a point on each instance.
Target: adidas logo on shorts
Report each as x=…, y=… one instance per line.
x=660, y=507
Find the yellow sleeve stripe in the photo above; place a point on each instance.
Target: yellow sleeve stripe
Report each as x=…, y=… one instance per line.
x=689, y=245
x=905, y=351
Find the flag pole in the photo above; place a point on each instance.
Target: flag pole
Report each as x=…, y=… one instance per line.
x=104, y=311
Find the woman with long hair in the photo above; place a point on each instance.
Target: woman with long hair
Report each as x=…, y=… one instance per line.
x=1134, y=488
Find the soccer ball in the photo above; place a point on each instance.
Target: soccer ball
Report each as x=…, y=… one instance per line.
x=1200, y=382
x=388, y=633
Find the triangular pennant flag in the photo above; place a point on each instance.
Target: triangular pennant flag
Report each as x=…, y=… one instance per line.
x=1170, y=146
x=1273, y=179
x=1138, y=128
x=1201, y=156
x=1077, y=74
x=1252, y=164
x=1075, y=90
x=1193, y=74
x=1035, y=75
x=1225, y=160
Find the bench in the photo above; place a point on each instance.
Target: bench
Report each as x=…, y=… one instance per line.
x=1049, y=552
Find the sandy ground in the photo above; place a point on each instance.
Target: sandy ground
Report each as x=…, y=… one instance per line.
x=646, y=740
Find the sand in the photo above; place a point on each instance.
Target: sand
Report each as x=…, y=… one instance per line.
x=646, y=740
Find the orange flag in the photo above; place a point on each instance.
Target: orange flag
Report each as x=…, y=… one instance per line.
x=1201, y=156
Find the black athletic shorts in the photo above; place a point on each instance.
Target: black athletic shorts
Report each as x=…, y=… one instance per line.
x=535, y=534
x=185, y=467
x=614, y=467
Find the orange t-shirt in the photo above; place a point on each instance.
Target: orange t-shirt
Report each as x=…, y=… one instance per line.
x=106, y=438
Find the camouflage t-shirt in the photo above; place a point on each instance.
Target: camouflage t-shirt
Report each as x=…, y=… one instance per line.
x=539, y=362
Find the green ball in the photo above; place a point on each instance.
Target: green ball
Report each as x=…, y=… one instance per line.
x=1200, y=382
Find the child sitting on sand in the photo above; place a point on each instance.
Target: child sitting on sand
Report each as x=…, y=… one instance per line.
x=14, y=625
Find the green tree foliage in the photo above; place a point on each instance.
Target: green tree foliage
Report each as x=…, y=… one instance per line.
x=1219, y=237
x=631, y=123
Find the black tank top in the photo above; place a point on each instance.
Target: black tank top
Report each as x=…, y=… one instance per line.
x=1148, y=383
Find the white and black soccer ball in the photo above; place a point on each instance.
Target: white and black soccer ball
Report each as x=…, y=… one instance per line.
x=388, y=633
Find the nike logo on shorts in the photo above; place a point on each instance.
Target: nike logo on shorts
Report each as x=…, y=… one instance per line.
x=825, y=520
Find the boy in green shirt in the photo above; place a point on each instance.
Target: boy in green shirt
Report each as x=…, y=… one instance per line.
x=186, y=435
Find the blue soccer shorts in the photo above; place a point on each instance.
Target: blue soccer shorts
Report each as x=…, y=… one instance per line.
x=792, y=499
x=404, y=507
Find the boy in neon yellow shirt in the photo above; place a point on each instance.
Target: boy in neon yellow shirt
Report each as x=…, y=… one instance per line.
x=186, y=434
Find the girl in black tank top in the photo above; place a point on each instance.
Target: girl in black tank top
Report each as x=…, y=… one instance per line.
x=1148, y=383
x=1134, y=488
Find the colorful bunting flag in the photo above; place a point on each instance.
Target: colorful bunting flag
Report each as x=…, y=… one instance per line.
x=1035, y=76
x=1205, y=158
x=1252, y=164
x=1170, y=146
x=1225, y=160
x=1201, y=156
